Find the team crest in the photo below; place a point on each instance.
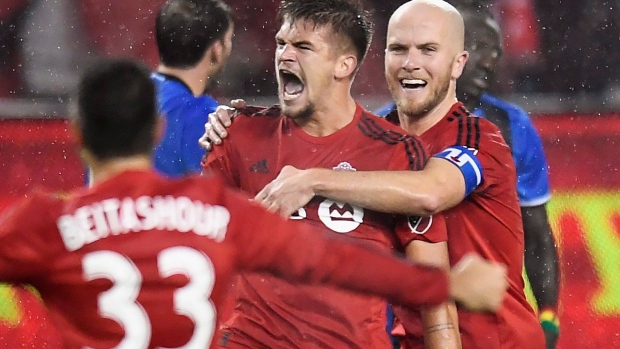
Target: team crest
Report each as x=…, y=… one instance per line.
x=340, y=217
x=344, y=166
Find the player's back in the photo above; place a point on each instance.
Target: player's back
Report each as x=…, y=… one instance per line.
x=488, y=222
x=137, y=261
x=270, y=312
x=178, y=152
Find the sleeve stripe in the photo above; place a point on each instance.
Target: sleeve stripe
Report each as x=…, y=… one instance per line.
x=468, y=128
x=372, y=130
x=420, y=160
x=415, y=150
x=460, y=131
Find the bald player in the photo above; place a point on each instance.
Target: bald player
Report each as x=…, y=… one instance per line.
x=472, y=175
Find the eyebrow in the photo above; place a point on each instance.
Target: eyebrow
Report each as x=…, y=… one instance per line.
x=295, y=43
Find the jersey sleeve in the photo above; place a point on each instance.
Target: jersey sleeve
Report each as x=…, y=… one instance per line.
x=300, y=252
x=218, y=162
x=531, y=164
x=421, y=228
x=24, y=253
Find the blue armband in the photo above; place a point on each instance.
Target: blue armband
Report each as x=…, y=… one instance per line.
x=467, y=162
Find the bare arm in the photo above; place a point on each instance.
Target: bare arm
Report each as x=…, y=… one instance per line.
x=440, y=322
x=439, y=186
x=541, y=262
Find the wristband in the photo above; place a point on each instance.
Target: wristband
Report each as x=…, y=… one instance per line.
x=549, y=320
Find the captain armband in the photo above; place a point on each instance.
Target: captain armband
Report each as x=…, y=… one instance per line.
x=466, y=160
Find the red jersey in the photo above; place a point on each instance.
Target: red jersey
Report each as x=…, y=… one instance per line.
x=487, y=222
x=272, y=313
x=141, y=261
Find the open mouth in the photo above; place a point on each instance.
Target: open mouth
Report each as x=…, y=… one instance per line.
x=412, y=84
x=292, y=85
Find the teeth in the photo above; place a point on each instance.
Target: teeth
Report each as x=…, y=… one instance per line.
x=413, y=82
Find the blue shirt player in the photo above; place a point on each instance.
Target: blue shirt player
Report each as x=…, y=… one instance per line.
x=194, y=40
x=179, y=153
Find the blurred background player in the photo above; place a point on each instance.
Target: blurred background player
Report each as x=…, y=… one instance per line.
x=320, y=47
x=483, y=41
x=154, y=255
x=194, y=39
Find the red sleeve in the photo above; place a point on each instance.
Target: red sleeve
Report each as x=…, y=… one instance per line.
x=300, y=252
x=412, y=155
x=424, y=228
x=218, y=162
x=24, y=251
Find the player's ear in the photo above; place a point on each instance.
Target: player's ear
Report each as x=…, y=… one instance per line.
x=459, y=64
x=217, y=52
x=347, y=63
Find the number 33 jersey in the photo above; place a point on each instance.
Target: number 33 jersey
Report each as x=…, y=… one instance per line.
x=140, y=261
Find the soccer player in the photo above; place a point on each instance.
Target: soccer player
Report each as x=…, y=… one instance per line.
x=483, y=42
x=142, y=261
x=194, y=40
x=320, y=46
x=472, y=176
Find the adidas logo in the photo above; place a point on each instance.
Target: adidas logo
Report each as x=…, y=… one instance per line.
x=260, y=167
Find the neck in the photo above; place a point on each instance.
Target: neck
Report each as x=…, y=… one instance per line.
x=420, y=123
x=195, y=78
x=326, y=121
x=333, y=113
x=104, y=169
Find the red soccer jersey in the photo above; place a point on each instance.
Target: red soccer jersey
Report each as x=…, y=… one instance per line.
x=140, y=261
x=488, y=222
x=273, y=313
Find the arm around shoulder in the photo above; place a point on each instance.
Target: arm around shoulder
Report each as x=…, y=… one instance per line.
x=439, y=186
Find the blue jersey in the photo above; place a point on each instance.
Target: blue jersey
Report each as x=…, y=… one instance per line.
x=178, y=153
x=525, y=143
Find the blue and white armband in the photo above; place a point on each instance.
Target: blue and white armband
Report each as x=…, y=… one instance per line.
x=467, y=162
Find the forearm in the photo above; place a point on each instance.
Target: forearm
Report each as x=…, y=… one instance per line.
x=440, y=327
x=439, y=322
x=541, y=257
x=438, y=187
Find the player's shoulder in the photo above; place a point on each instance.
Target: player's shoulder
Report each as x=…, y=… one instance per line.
x=255, y=118
x=463, y=128
x=380, y=129
x=258, y=113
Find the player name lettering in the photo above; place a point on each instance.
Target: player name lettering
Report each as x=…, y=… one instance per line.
x=120, y=216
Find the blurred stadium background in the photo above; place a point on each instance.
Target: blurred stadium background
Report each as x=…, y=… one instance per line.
x=561, y=63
